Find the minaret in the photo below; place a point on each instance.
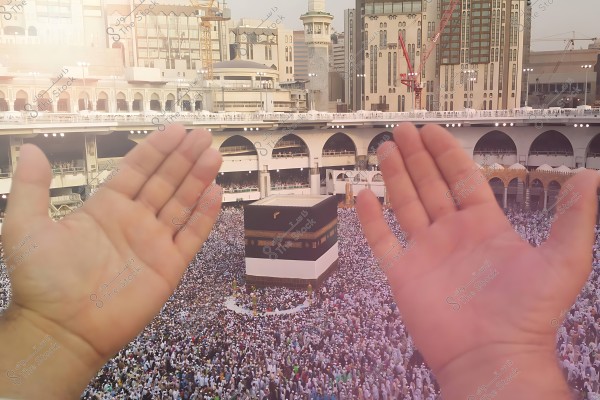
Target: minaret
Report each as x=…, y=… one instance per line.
x=317, y=34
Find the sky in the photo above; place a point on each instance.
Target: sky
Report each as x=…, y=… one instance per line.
x=555, y=19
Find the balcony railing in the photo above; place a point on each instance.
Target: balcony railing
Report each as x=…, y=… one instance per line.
x=70, y=170
x=285, y=187
x=495, y=152
x=331, y=153
x=148, y=116
x=289, y=155
x=550, y=153
x=240, y=190
x=236, y=149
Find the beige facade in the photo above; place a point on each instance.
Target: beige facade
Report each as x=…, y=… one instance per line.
x=558, y=79
x=125, y=58
x=477, y=64
x=266, y=42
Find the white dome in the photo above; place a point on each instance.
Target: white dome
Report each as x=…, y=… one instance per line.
x=563, y=168
x=496, y=166
x=544, y=167
x=517, y=166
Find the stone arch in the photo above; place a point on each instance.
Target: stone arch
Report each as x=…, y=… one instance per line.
x=237, y=145
x=342, y=177
x=21, y=99
x=185, y=103
x=551, y=147
x=122, y=102
x=138, y=102
x=553, y=191
x=83, y=101
x=592, y=153
x=3, y=102
x=495, y=147
x=497, y=185
x=360, y=177
x=155, y=102
x=63, y=104
x=536, y=195
x=379, y=140
x=339, y=143
x=291, y=145
x=513, y=192
x=102, y=102
x=170, y=102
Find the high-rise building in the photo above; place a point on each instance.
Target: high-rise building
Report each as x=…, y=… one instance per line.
x=300, y=57
x=317, y=31
x=266, y=43
x=350, y=93
x=477, y=64
x=337, y=75
x=165, y=35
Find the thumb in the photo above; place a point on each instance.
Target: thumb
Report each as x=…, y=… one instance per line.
x=572, y=234
x=29, y=196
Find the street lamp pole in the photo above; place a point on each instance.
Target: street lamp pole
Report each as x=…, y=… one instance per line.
x=116, y=102
x=202, y=73
x=84, y=64
x=35, y=75
x=179, y=104
x=412, y=97
x=260, y=75
x=587, y=67
x=362, y=84
x=527, y=70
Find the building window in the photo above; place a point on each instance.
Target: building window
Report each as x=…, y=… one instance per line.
x=485, y=77
x=389, y=69
x=395, y=69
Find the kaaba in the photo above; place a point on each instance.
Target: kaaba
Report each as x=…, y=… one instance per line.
x=291, y=240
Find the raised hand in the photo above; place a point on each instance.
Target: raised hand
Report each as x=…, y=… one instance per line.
x=473, y=294
x=94, y=279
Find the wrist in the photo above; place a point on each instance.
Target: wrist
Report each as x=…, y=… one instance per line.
x=498, y=374
x=38, y=360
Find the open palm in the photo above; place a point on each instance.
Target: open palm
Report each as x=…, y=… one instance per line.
x=469, y=289
x=94, y=279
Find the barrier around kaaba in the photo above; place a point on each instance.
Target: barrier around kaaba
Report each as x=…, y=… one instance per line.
x=291, y=240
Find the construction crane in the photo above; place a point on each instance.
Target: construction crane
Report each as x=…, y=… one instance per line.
x=208, y=12
x=569, y=46
x=413, y=79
